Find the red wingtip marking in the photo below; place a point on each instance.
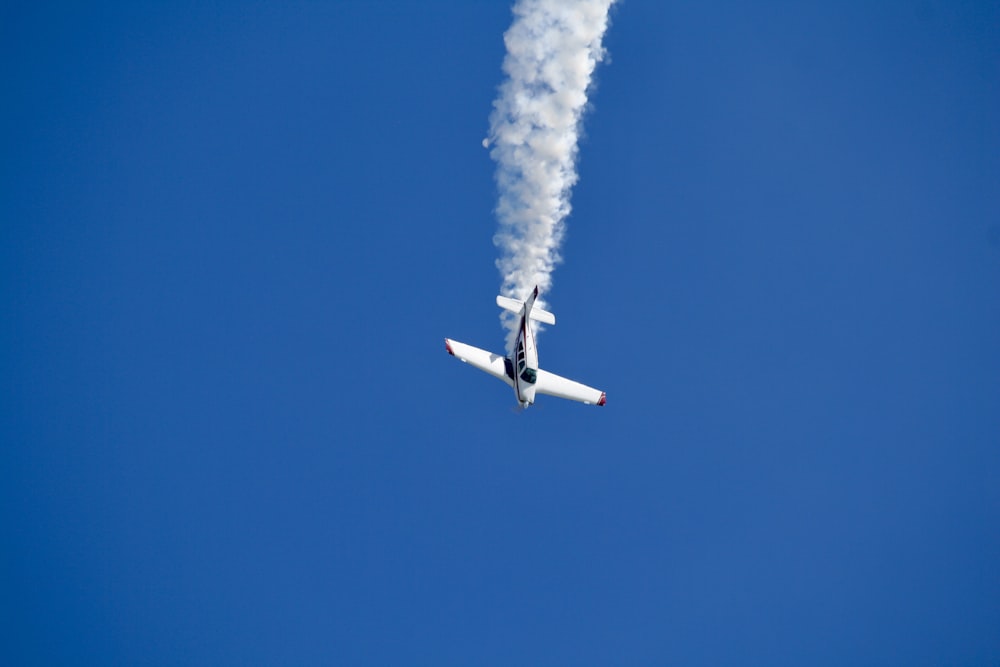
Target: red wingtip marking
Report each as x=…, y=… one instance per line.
x=604, y=399
x=447, y=346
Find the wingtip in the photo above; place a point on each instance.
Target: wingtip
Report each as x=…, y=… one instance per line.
x=447, y=346
x=604, y=399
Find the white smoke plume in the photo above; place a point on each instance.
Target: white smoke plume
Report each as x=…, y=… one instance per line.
x=553, y=47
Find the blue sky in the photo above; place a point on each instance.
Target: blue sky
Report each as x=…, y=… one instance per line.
x=234, y=235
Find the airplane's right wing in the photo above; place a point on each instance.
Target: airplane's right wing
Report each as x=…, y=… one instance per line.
x=555, y=385
x=481, y=359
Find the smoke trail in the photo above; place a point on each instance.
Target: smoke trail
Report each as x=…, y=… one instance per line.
x=553, y=47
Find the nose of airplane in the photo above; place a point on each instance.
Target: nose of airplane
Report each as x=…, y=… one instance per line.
x=527, y=393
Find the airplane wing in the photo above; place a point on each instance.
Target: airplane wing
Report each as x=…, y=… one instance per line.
x=481, y=359
x=555, y=385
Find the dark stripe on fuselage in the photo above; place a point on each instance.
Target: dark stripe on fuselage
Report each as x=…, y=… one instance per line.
x=523, y=345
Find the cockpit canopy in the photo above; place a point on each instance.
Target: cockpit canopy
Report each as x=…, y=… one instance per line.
x=527, y=374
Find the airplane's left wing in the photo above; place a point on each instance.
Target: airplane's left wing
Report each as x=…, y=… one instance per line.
x=555, y=385
x=481, y=359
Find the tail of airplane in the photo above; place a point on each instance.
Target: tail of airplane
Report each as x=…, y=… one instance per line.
x=516, y=306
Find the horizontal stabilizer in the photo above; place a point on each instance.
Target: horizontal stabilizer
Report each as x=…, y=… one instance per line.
x=515, y=306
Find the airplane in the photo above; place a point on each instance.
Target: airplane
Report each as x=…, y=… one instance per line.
x=528, y=379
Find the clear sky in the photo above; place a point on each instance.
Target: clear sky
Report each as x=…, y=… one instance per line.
x=234, y=235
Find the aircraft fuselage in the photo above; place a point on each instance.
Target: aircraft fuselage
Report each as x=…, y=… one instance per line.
x=524, y=364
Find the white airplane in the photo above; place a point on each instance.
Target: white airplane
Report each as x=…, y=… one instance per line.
x=522, y=372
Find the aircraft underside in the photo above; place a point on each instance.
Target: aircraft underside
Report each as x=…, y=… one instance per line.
x=521, y=371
